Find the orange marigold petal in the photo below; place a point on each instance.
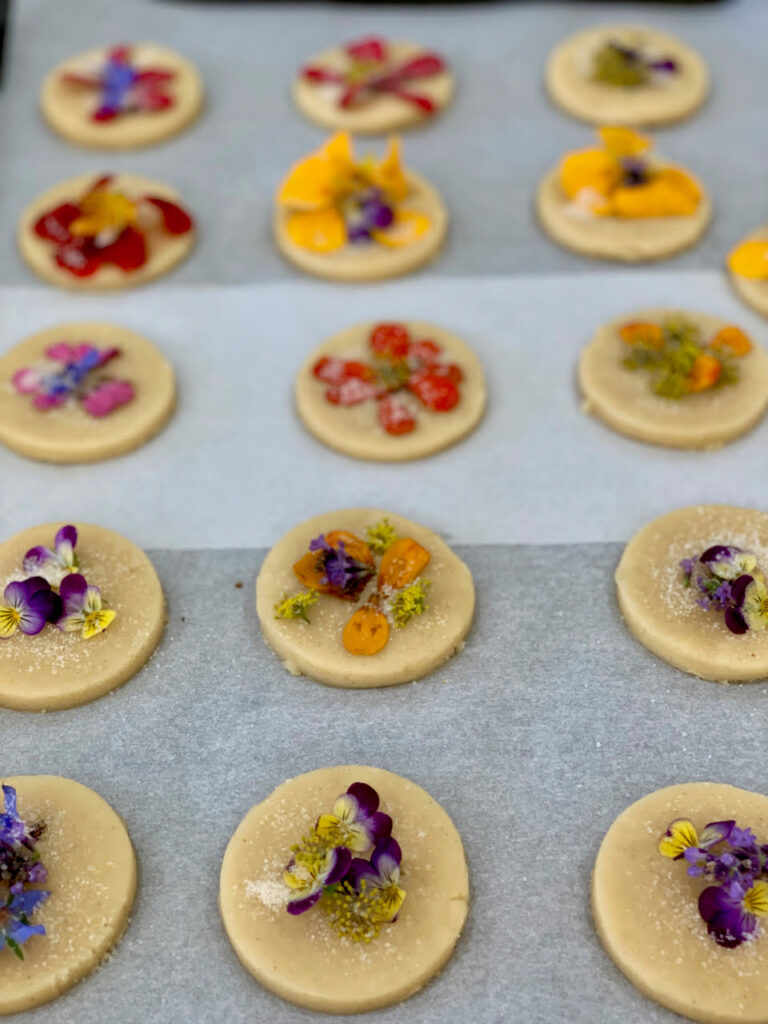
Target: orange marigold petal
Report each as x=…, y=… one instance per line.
x=732, y=338
x=317, y=230
x=407, y=227
x=750, y=259
x=669, y=193
x=353, y=545
x=704, y=374
x=620, y=142
x=402, y=563
x=642, y=332
x=589, y=169
x=367, y=631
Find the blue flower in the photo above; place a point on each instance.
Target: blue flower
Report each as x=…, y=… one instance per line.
x=15, y=928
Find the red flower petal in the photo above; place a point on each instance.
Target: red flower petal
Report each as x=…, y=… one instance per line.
x=336, y=371
x=427, y=352
x=175, y=220
x=54, y=225
x=373, y=49
x=391, y=341
x=128, y=251
x=394, y=416
x=73, y=257
x=434, y=390
x=315, y=73
x=350, y=392
x=423, y=66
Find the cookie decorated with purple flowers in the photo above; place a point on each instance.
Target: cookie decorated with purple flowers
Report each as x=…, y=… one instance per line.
x=345, y=890
x=81, y=611
x=362, y=597
x=626, y=74
x=122, y=96
x=82, y=392
x=691, y=587
x=680, y=900
x=67, y=885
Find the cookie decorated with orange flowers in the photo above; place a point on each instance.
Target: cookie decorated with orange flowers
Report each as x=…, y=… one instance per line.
x=347, y=219
x=679, y=379
x=98, y=233
x=748, y=267
x=621, y=201
x=362, y=597
x=391, y=391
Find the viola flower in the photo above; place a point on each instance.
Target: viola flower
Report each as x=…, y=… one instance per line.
x=381, y=877
x=62, y=559
x=372, y=71
x=732, y=910
x=83, y=609
x=26, y=606
x=750, y=597
x=122, y=87
x=355, y=821
x=15, y=928
x=617, y=64
x=314, y=866
x=106, y=227
x=727, y=561
x=71, y=380
x=334, y=199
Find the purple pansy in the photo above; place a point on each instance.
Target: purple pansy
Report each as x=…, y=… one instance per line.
x=355, y=821
x=83, y=611
x=310, y=872
x=727, y=561
x=70, y=380
x=380, y=875
x=20, y=866
x=26, y=606
x=61, y=558
x=727, y=581
x=366, y=213
x=342, y=571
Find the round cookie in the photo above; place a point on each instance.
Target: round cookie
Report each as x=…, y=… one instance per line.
x=663, y=99
x=69, y=106
x=316, y=648
x=70, y=433
x=356, y=429
x=663, y=614
x=645, y=909
x=628, y=239
x=753, y=290
x=92, y=881
x=165, y=250
x=369, y=261
x=625, y=400
x=300, y=958
x=53, y=669
x=380, y=113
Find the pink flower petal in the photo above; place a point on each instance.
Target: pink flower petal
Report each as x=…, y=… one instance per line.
x=107, y=397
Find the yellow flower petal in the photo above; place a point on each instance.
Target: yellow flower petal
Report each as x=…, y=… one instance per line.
x=756, y=899
x=670, y=192
x=389, y=176
x=750, y=259
x=408, y=227
x=317, y=230
x=388, y=908
x=621, y=142
x=9, y=621
x=103, y=211
x=681, y=836
x=589, y=169
x=97, y=622
x=321, y=178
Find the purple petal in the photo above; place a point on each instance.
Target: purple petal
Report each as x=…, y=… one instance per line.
x=72, y=592
x=735, y=621
x=45, y=603
x=715, y=832
x=22, y=932
x=9, y=794
x=380, y=827
x=32, y=621
x=340, y=867
x=386, y=855
x=299, y=906
x=27, y=902
x=34, y=584
x=66, y=533
x=359, y=869
x=36, y=557
x=366, y=796
x=16, y=594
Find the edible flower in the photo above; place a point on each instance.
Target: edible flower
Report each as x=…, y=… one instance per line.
x=62, y=559
x=728, y=580
x=295, y=606
x=679, y=361
x=750, y=259
x=105, y=226
x=337, y=563
x=333, y=199
x=122, y=87
x=371, y=70
x=738, y=897
x=358, y=895
x=381, y=536
x=616, y=63
x=20, y=866
x=26, y=606
x=412, y=369
x=84, y=612
x=409, y=602
x=72, y=380
x=620, y=179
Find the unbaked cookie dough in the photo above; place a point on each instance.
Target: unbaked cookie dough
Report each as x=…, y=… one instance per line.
x=645, y=909
x=110, y=409
x=353, y=415
x=604, y=202
x=164, y=248
x=92, y=880
x=664, y=97
x=300, y=958
x=317, y=648
x=333, y=202
x=754, y=290
x=708, y=416
x=53, y=669
x=318, y=97
x=663, y=614
x=95, y=100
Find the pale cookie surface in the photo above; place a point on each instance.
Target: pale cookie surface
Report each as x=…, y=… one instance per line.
x=372, y=261
x=645, y=909
x=629, y=239
x=753, y=292
x=662, y=613
x=625, y=401
x=315, y=649
x=68, y=107
x=355, y=430
x=92, y=880
x=665, y=98
x=55, y=670
x=379, y=113
x=165, y=251
x=67, y=433
x=300, y=958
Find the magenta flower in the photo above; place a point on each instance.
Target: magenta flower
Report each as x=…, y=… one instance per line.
x=123, y=88
x=62, y=558
x=26, y=607
x=71, y=380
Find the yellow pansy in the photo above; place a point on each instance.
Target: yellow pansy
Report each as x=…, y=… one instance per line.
x=679, y=837
x=750, y=259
